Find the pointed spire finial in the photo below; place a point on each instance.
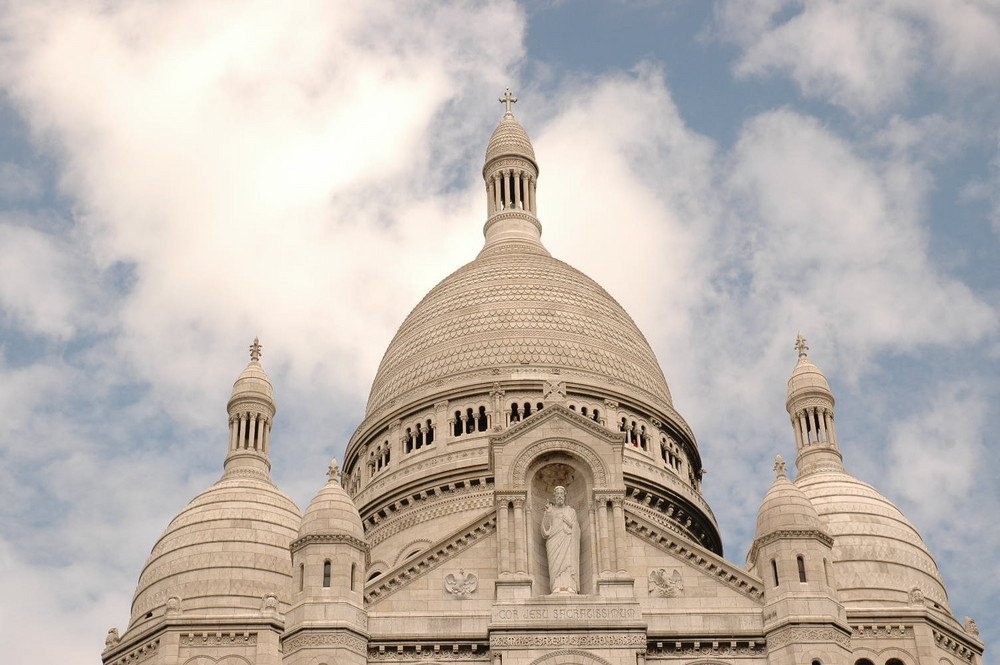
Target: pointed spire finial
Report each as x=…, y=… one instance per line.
x=255, y=350
x=508, y=99
x=779, y=467
x=333, y=473
x=800, y=345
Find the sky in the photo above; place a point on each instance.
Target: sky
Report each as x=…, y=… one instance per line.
x=177, y=178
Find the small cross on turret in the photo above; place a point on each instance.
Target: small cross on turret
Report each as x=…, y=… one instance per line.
x=800, y=344
x=255, y=350
x=508, y=99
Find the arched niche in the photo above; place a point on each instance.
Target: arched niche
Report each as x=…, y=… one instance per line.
x=545, y=472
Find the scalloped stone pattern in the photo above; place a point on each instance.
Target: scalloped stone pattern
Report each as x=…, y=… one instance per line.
x=225, y=550
x=510, y=310
x=509, y=138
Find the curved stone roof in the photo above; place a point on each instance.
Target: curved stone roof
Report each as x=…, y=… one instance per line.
x=330, y=513
x=878, y=555
x=506, y=310
x=807, y=378
x=222, y=553
x=509, y=138
x=786, y=508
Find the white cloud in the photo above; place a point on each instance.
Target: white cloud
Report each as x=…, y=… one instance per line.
x=18, y=184
x=864, y=56
x=45, y=281
x=937, y=455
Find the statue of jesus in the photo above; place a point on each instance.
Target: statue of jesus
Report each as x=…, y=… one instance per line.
x=561, y=531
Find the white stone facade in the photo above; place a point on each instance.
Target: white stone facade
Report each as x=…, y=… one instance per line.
x=515, y=375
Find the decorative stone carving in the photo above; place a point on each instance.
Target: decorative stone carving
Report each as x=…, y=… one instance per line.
x=269, y=604
x=463, y=585
x=561, y=532
x=916, y=596
x=173, y=606
x=554, y=390
x=114, y=638
x=971, y=627
x=664, y=585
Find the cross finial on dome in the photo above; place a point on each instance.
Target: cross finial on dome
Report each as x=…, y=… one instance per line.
x=800, y=344
x=508, y=99
x=255, y=350
x=779, y=467
x=334, y=471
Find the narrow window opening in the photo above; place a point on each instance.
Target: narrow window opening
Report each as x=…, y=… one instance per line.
x=326, y=574
x=470, y=421
x=429, y=430
x=482, y=421
x=583, y=411
x=597, y=416
x=538, y=407
x=802, y=568
x=572, y=407
x=458, y=423
x=354, y=571
x=527, y=409
x=302, y=576
x=515, y=414
x=774, y=569
x=419, y=437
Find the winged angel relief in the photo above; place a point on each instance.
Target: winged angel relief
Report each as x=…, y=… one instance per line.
x=461, y=585
x=664, y=586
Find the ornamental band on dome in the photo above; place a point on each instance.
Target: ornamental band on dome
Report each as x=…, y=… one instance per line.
x=520, y=491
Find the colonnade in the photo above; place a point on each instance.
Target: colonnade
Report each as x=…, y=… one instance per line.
x=510, y=189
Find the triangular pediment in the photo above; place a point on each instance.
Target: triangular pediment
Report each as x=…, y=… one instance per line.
x=560, y=413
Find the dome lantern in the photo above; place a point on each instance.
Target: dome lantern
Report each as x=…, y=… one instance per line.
x=251, y=412
x=510, y=173
x=810, y=406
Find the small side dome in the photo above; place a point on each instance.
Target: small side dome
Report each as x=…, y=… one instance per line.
x=879, y=557
x=222, y=553
x=332, y=512
x=786, y=507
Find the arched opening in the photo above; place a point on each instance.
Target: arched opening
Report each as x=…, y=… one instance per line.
x=800, y=562
x=302, y=576
x=774, y=570
x=458, y=424
x=894, y=661
x=327, y=569
x=481, y=420
x=354, y=571
x=863, y=661
x=515, y=413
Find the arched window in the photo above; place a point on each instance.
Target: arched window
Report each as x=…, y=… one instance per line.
x=826, y=571
x=515, y=413
x=374, y=575
x=894, y=661
x=481, y=419
x=429, y=432
x=302, y=576
x=354, y=570
x=458, y=424
x=583, y=411
x=774, y=569
x=863, y=661
x=597, y=415
x=802, y=568
x=816, y=662
x=326, y=574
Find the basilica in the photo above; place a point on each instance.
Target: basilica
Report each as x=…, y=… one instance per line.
x=521, y=491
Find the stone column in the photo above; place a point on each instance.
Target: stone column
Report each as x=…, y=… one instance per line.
x=618, y=532
x=603, y=535
x=503, y=535
x=520, y=539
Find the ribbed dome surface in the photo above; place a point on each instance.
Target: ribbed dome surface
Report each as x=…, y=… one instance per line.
x=332, y=512
x=509, y=138
x=222, y=553
x=508, y=310
x=786, y=508
x=253, y=382
x=806, y=377
x=878, y=555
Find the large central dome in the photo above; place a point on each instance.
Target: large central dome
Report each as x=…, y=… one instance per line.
x=510, y=309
